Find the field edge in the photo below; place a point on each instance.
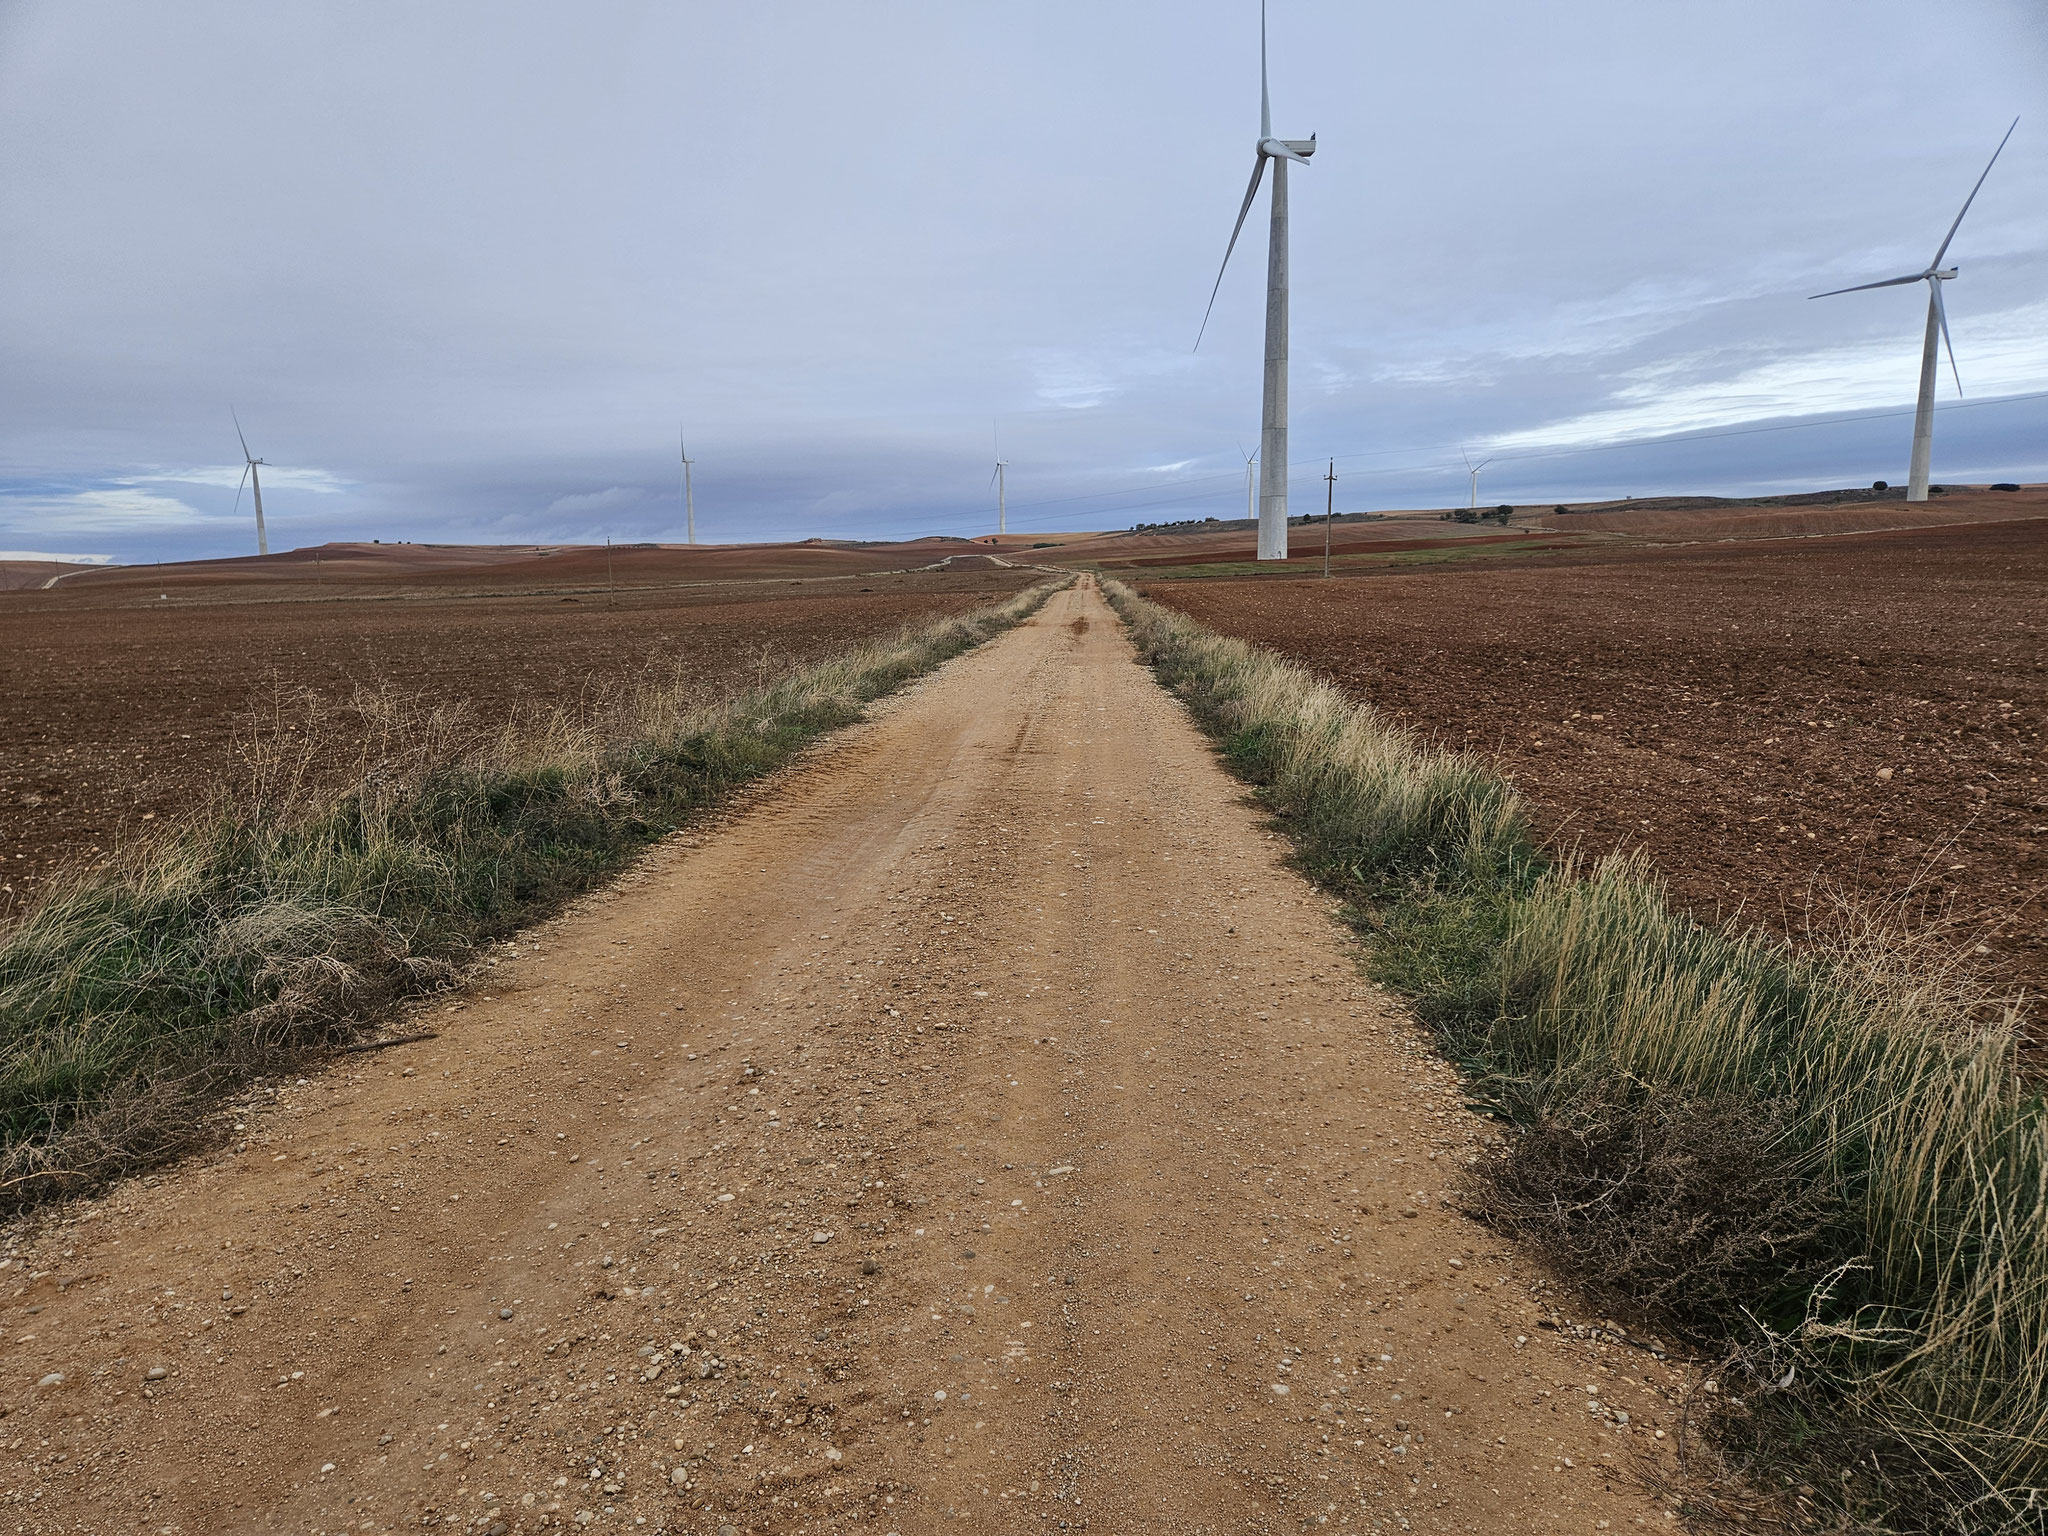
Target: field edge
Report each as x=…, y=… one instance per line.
x=1821, y=1167
x=251, y=940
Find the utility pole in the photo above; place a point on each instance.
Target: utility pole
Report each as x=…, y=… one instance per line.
x=611, y=597
x=689, y=494
x=1329, y=512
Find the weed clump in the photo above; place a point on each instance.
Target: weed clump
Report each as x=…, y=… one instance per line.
x=1687, y=1209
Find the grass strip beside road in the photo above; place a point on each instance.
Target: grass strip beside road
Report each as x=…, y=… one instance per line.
x=283, y=922
x=1819, y=1163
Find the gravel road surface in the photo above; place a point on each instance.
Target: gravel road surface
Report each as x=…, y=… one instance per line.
x=981, y=1130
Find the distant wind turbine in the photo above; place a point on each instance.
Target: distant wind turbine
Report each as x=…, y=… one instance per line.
x=1273, y=403
x=689, y=493
x=1473, y=470
x=1933, y=275
x=1251, y=495
x=255, y=484
x=998, y=481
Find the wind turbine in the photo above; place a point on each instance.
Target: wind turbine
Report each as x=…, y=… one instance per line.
x=689, y=494
x=1473, y=470
x=1251, y=495
x=997, y=480
x=1273, y=403
x=1934, y=275
x=255, y=484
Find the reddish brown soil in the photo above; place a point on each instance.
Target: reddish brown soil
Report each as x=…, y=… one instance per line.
x=1670, y=519
x=1206, y=546
x=1698, y=517
x=120, y=709
x=1731, y=708
x=443, y=568
x=18, y=574
x=1305, y=547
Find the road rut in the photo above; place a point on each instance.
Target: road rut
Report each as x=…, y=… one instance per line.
x=982, y=1129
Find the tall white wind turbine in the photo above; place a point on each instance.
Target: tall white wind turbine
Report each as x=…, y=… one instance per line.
x=254, y=482
x=1473, y=470
x=1251, y=495
x=689, y=492
x=1273, y=403
x=1934, y=275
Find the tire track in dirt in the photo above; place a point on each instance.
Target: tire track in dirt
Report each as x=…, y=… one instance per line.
x=983, y=1130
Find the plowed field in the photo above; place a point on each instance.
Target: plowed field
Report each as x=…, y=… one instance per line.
x=1775, y=722
x=120, y=708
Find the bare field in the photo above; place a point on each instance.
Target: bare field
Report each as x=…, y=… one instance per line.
x=1774, y=722
x=121, y=708
x=1669, y=518
x=448, y=569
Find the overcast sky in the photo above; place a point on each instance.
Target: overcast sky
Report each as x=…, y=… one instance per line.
x=464, y=269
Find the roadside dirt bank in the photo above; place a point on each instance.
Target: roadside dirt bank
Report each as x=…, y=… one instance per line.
x=983, y=1131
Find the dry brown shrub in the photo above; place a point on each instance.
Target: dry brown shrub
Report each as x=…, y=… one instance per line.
x=1686, y=1208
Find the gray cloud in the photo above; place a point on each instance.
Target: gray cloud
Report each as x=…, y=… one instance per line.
x=465, y=269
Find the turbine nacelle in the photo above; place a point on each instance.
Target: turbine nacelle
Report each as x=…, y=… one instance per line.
x=1297, y=150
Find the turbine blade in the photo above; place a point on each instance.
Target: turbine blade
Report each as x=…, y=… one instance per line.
x=1970, y=199
x=1250, y=192
x=1941, y=314
x=238, y=490
x=238, y=433
x=1890, y=282
x=1265, y=98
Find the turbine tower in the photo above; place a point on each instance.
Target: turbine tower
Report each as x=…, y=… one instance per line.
x=1273, y=402
x=689, y=493
x=998, y=481
x=1933, y=275
x=1473, y=470
x=255, y=483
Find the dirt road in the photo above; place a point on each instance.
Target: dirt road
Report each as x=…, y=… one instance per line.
x=982, y=1131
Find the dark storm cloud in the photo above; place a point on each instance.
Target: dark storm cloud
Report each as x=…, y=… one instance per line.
x=464, y=269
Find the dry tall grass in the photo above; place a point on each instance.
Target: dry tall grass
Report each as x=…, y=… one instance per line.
x=285, y=918
x=1823, y=1160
